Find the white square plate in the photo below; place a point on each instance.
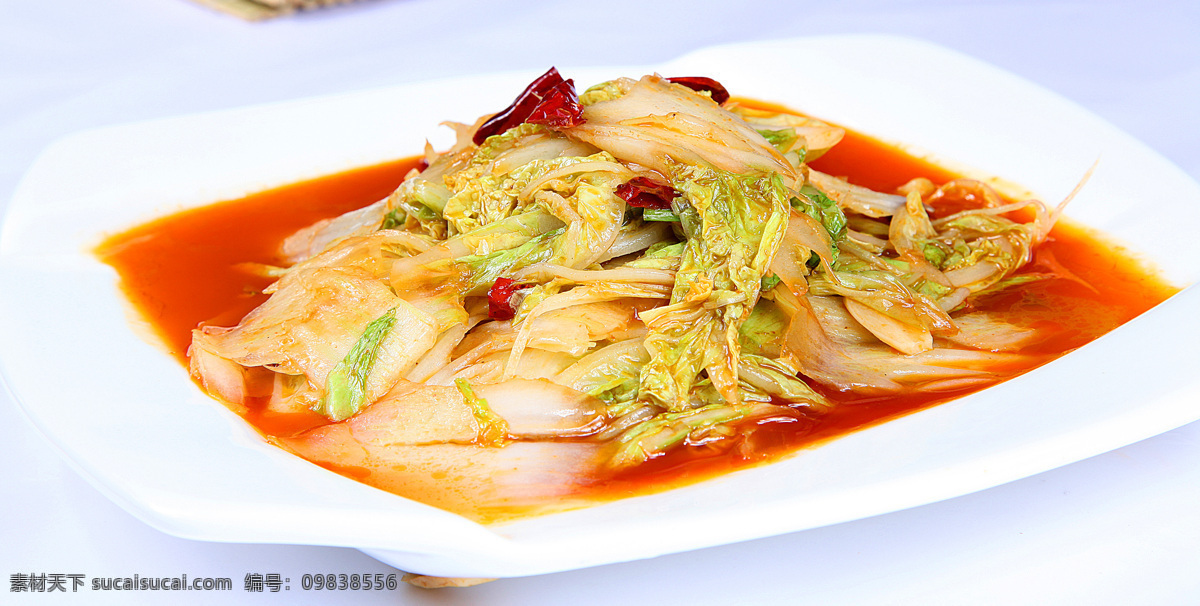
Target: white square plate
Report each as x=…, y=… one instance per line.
x=132, y=422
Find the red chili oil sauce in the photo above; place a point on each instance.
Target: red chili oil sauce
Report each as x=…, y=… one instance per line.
x=188, y=268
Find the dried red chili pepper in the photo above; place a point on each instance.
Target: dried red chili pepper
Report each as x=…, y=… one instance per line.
x=520, y=108
x=641, y=192
x=561, y=109
x=700, y=83
x=499, y=298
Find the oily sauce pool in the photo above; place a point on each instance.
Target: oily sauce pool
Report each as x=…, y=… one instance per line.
x=193, y=267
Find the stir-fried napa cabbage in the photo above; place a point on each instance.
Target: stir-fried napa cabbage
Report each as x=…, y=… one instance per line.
x=614, y=276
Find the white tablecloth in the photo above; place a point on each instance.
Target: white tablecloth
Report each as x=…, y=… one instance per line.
x=1120, y=528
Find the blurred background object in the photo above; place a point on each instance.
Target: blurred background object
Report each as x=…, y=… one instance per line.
x=255, y=10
